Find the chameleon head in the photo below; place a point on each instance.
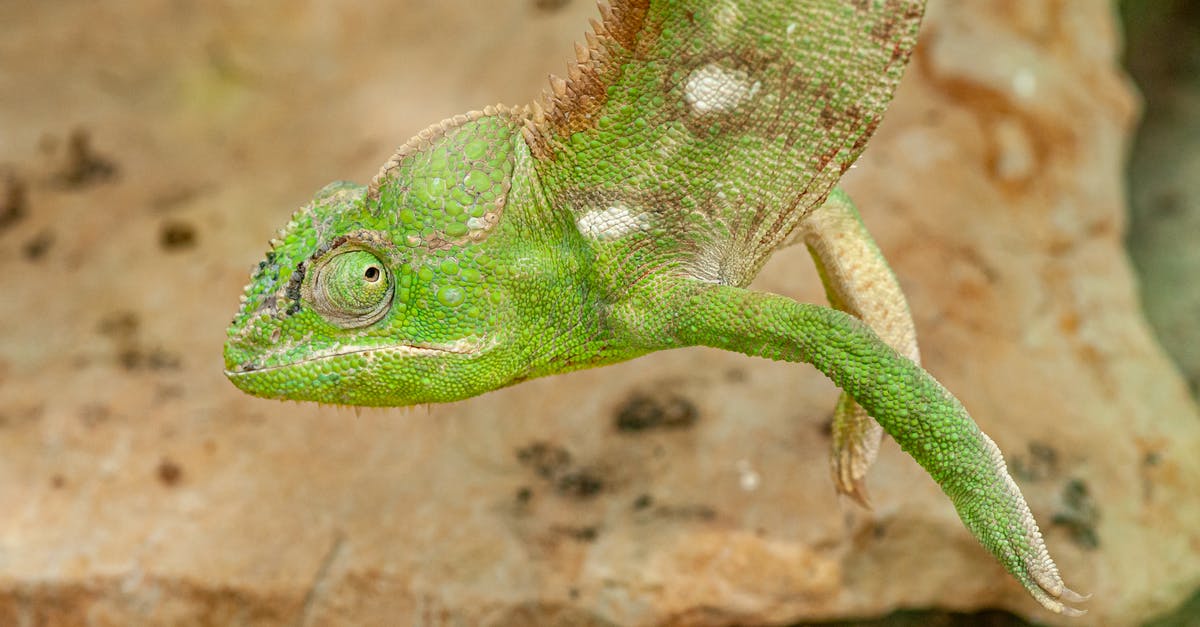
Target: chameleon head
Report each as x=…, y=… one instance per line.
x=339, y=313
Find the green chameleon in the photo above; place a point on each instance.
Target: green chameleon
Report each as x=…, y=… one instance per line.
x=625, y=213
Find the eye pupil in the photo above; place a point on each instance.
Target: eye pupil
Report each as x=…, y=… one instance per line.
x=371, y=274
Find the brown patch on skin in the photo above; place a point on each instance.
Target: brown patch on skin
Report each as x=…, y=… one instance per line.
x=58, y=482
x=82, y=166
x=884, y=30
x=574, y=104
x=827, y=118
x=169, y=473
x=14, y=200
x=175, y=236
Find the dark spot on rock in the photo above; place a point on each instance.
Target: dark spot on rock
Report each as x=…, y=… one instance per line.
x=524, y=495
x=585, y=533
x=553, y=464
x=573, y=594
x=82, y=166
x=38, y=245
x=14, y=200
x=1079, y=514
x=1040, y=463
x=642, y=502
x=122, y=328
x=546, y=459
x=579, y=484
x=175, y=197
x=825, y=427
x=163, y=393
x=94, y=414
x=736, y=375
x=550, y=6
x=176, y=236
x=169, y=472
x=130, y=358
x=160, y=359
x=694, y=511
x=58, y=482
x=666, y=410
x=135, y=358
x=119, y=324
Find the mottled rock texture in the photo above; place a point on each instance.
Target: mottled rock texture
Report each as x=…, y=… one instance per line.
x=150, y=148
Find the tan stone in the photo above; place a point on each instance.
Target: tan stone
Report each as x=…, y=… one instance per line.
x=138, y=487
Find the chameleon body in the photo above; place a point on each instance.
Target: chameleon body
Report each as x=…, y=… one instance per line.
x=624, y=213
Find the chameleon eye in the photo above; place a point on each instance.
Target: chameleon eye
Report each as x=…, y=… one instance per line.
x=352, y=289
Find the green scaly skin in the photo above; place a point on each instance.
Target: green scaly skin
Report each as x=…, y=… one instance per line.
x=625, y=213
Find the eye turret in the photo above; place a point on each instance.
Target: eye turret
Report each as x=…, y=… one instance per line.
x=352, y=288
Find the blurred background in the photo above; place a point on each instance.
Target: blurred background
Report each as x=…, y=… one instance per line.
x=1036, y=186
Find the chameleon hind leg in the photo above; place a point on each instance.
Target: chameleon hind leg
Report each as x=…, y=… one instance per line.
x=859, y=282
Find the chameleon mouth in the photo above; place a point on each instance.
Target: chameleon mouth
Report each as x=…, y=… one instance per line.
x=461, y=347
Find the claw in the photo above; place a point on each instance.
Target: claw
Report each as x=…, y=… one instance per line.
x=855, y=445
x=1070, y=596
x=857, y=491
x=846, y=481
x=1055, y=602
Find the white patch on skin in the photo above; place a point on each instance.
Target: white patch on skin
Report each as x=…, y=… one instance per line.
x=727, y=16
x=611, y=223
x=713, y=88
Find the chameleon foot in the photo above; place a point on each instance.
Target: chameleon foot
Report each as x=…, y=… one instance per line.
x=855, y=445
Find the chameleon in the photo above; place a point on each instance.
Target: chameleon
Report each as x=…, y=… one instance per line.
x=625, y=211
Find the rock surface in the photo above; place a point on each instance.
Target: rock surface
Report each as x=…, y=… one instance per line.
x=148, y=150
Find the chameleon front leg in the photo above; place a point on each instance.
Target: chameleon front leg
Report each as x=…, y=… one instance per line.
x=859, y=282
x=924, y=418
